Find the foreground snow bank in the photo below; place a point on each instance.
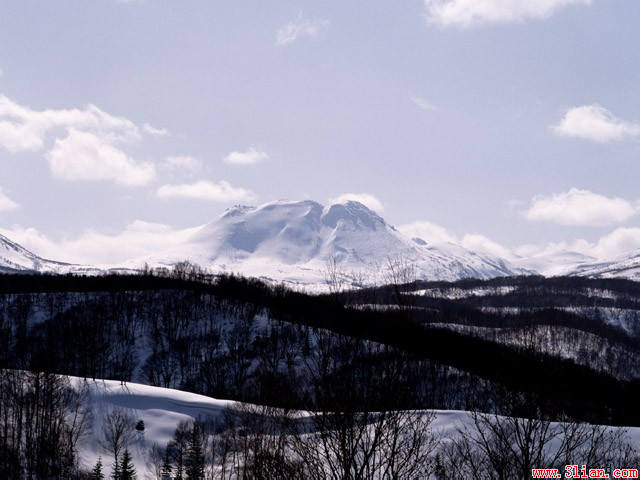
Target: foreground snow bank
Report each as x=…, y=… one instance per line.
x=161, y=409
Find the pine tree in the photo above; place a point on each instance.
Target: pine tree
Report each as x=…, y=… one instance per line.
x=96, y=473
x=195, y=456
x=127, y=470
x=116, y=474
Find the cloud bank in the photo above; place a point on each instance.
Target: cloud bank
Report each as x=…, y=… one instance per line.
x=581, y=208
x=139, y=239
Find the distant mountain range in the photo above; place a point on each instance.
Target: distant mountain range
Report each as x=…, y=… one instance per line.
x=299, y=241
x=14, y=257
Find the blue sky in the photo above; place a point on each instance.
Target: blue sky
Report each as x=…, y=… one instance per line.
x=511, y=120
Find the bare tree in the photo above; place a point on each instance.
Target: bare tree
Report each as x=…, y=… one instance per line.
x=118, y=432
x=503, y=447
x=334, y=277
x=361, y=428
x=259, y=435
x=398, y=273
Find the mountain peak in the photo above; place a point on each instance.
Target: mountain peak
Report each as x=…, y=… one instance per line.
x=353, y=213
x=292, y=241
x=237, y=210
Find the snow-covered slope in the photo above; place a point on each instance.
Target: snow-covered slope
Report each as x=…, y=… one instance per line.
x=562, y=262
x=626, y=266
x=161, y=410
x=293, y=241
x=14, y=257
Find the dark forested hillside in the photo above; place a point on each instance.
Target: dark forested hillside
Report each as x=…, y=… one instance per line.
x=570, y=346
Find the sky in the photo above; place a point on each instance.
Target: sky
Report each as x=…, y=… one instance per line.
x=510, y=126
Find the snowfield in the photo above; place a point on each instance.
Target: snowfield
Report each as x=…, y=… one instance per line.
x=162, y=409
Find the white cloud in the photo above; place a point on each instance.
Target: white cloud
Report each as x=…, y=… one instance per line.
x=436, y=234
x=616, y=243
x=300, y=28
x=25, y=129
x=595, y=123
x=366, y=199
x=580, y=208
x=156, y=132
x=221, y=191
x=429, y=232
x=138, y=240
x=6, y=203
x=184, y=163
x=86, y=141
x=85, y=156
x=249, y=157
x=423, y=103
x=467, y=13
x=481, y=244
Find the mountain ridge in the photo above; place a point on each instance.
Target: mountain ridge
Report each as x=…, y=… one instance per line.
x=295, y=241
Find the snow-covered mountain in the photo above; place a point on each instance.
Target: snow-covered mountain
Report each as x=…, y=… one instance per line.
x=14, y=257
x=562, y=262
x=624, y=266
x=294, y=240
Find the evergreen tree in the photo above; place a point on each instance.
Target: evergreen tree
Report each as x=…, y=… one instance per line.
x=140, y=426
x=195, y=456
x=96, y=473
x=116, y=473
x=127, y=470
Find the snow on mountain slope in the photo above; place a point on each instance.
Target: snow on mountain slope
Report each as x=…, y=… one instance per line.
x=625, y=266
x=563, y=262
x=293, y=241
x=14, y=257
